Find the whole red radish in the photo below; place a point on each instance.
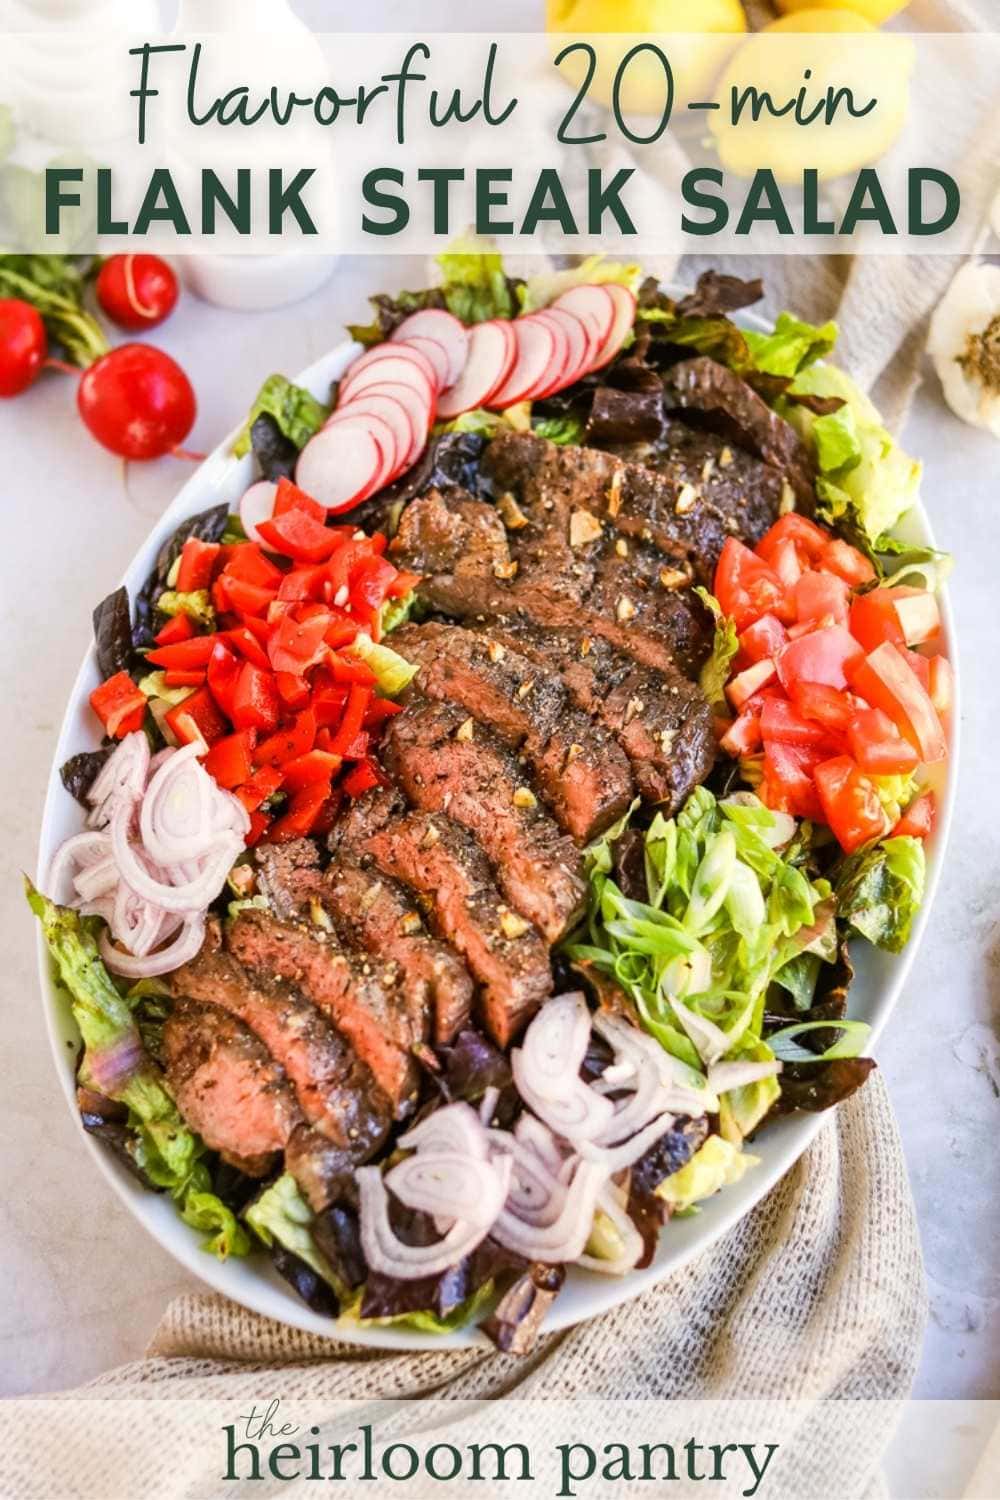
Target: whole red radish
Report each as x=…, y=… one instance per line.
x=23, y=345
x=136, y=291
x=137, y=401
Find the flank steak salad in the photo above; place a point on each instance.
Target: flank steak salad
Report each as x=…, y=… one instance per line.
x=485, y=811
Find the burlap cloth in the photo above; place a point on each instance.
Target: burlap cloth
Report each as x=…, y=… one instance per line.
x=818, y=1292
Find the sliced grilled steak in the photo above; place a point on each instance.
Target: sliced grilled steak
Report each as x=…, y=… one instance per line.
x=444, y=762
x=445, y=865
x=335, y=1091
x=686, y=511
x=289, y=875
x=581, y=772
x=228, y=1087
x=363, y=1003
x=385, y=921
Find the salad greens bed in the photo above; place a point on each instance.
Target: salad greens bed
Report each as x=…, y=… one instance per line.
x=723, y=930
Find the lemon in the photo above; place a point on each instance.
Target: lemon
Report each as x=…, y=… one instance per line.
x=695, y=60
x=875, y=11
x=777, y=59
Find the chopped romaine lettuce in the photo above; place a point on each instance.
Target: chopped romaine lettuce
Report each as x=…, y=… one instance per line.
x=716, y=1164
x=396, y=612
x=538, y=291
x=791, y=346
x=298, y=414
x=879, y=891
x=725, y=644
x=392, y=673
x=562, y=430
x=473, y=282
x=280, y=1215
x=154, y=686
x=196, y=605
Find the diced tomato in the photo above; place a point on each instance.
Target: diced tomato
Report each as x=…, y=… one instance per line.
x=746, y=587
x=941, y=685
x=810, y=539
x=180, y=628
x=779, y=720
x=184, y=656
x=229, y=760
x=119, y=704
x=261, y=785
x=874, y=619
x=919, y=665
x=743, y=735
x=259, y=824
x=293, y=690
x=223, y=672
x=240, y=596
x=303, y=812
x=302, y=583
x=877, y=745
x=822, y=596
x=353, y=718
x=247, y=564
x=299, y=536
x=197, y=565
x=764, y=637
x=787, y=564
x=371, y=581
x=288, y=743
x=361, y=779
x=298, y=644
x=847, y=562
x=820, y=656
x=746, y=684
x=885, y=681
x=306, y=770
x=918, y=819
x=850, y=803
x=256, y=704
x=288, y=496
x=245, y=642
x=828, y=706
x=197, y=717
x=918, y=614
x=183, y=679
x=788, y=773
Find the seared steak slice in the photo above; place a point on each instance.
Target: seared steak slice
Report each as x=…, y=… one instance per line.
x=289, y=876
x=383, y=919
x=445, y=865
x=581, y=772
x=686, y=513
x=444, y=762
x=335, y=1091
x=362, y=1002
x=228, y=1087
x=319, y=1167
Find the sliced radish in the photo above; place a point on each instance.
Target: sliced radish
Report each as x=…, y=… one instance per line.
x=384, y=404
x=341, y=466
x=257, y=505
x=625, y=305
x=594, y=306
x=582, y=347
x=445, y=329
x=492, y=352
x=436, y=353
x=559, y=372
x=392, y=431
x=384, y=353
x=536, y=345
x=399, y=370
x=418, y=413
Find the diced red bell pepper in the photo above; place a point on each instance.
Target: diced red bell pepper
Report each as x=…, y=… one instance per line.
x=822, y=596
x=779, y=720
x=303, y=812
x=327, y=815
x=874, y=619
x=918, y=818
x=179, y=628
x=877, y=745
x=261, y=785
x=850, y=803
x=359, y=746
x=245, y=642
x=328, y=704
x=403, y=583
x=293, y=690
x=184, y=656
x=821, y=656
x=242, y=598
x=302, y=583
x=120, y=705
x=197, y=565
x=197, y=717
x=746, y=587
x=298, y=644
x=256, y=704
x=369, y=589
x=380, y=709
x=788, y=778
x=259, y=824
x=746, y=684
x=230, y=759
x=361, y=778
x=299, y=536
x=223, y=671
x=183, y=679
x=347, y=556
x=353, y=718
x=257, y=627
x=885, y=681
x=247, y=564
x=344, y=669
x=306, y=770
x=827, y=705
x=288, y=497
x=289, y=742
x=764, y=637
x=809, y=538
x=743, y=736
x=847, y=562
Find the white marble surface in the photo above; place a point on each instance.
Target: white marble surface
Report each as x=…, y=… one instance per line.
x=83, y=1285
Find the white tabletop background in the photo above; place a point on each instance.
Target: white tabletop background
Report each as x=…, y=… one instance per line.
x=82, y=1284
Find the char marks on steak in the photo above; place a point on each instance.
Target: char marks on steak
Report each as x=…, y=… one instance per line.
x=581, y=772
x=445, y=762
x=228, y=1086
x=443, y=863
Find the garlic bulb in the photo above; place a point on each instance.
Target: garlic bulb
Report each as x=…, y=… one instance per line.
x=964, y=344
